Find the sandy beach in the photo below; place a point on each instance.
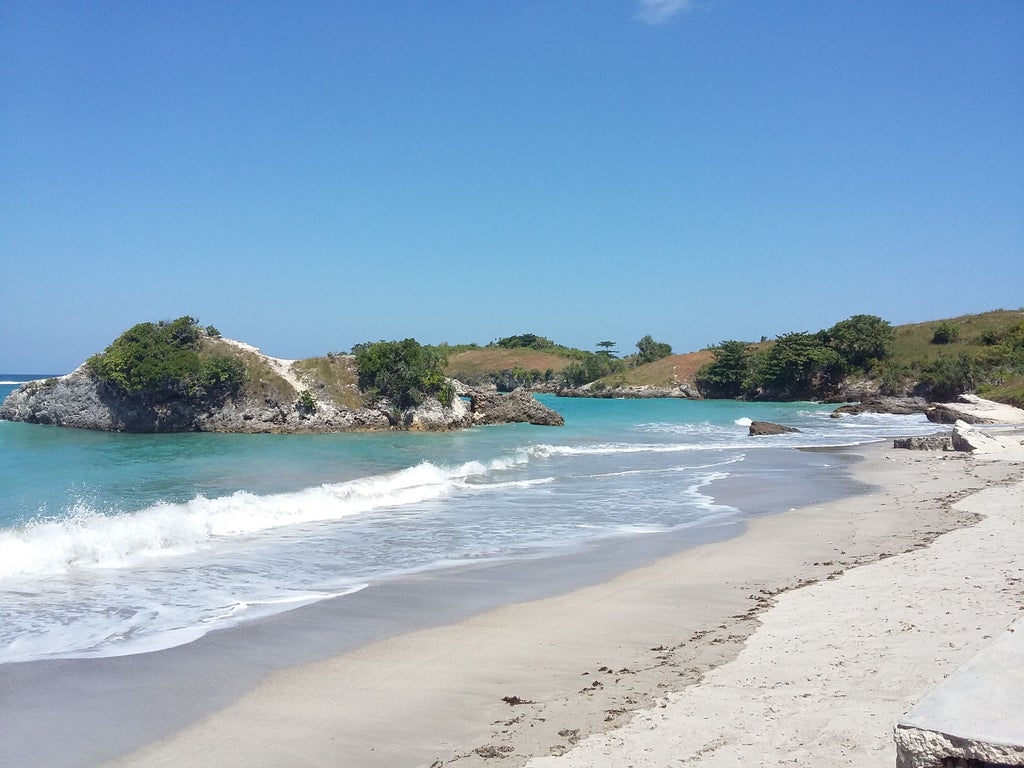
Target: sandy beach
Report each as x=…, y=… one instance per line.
x=801, y=641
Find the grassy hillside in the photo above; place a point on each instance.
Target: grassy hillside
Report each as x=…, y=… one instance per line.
x=473, y=363
x=987, y=353
x=982, y=356
x=334, y=376
x=913, y=345
x=938, y=359
x=670, y=371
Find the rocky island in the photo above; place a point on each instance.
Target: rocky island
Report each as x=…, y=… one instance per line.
x=178, y=377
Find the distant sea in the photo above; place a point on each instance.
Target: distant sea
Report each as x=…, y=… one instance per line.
x=116, y=544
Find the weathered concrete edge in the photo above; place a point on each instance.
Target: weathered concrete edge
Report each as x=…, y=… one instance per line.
x=976, y=714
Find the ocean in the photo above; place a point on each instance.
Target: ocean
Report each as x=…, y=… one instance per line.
x=115, y=544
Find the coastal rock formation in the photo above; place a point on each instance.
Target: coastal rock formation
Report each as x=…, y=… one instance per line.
x=969, y=438
x=768, y=428
x=973, y=718
x=631, y=392
x=929, y=443
x=882, y=404
x=516, y=406
x=974, y=410
x=80, y=401
x=281, y=399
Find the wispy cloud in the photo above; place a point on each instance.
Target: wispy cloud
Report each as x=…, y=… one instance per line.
x=660, y=11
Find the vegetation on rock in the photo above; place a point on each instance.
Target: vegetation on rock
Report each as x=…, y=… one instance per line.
x=404, y=372
x=158, y=363
x=168, y=359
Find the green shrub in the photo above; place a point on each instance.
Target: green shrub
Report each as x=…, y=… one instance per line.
x=404, y=372
x=893, y=380
x=945, y=333
x=306, y=403
x=590, y=366
x=166, y=359
x=948, y=377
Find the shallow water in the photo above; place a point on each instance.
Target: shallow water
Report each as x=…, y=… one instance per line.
x=113, y=544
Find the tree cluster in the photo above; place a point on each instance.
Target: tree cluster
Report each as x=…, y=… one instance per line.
x=796, y=365
x=526, y=341
x=590, y=366
x=650, y=350
x=403, y=372
x=167, y=359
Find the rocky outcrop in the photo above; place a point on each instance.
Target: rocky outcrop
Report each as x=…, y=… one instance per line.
x=882, y=404
x=631, y=392
x=516, y=406
x=974, y=410
x=81, y=401
x=929, y=443
x=967, y=437
x=972, y=718
x=768, y=428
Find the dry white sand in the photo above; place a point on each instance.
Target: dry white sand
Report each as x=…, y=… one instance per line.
x=836, y=664
x=800, y=642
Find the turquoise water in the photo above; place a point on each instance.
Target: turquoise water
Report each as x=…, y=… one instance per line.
x=114, y=544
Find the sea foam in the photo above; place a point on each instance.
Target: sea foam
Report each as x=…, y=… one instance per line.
x=87, y=538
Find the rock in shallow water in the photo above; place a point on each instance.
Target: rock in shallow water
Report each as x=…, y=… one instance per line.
x=769, y=428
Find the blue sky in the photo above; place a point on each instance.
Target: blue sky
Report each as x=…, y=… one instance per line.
x=310, y=175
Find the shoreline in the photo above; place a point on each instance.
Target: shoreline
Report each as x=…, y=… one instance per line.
x=113, y=705
x=431, y=695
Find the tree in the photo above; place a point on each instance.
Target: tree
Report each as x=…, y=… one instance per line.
x=607, y=348
x=727, y=376
x=590, y=366
x=860, y=340
x=796, y=364
x=651, y=350
x=404, y=372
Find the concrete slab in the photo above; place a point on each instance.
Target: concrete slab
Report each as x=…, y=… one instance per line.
x=976, y=717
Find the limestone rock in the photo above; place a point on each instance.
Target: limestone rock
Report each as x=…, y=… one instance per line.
x=80, y=401
x=923, y=748
x=969, y=438
x=974, y=717
x=975, y=410
x=630, y=392
x=768, y=428
x=880, y=404
x=517, y=406
x=931, y=443
x=433, y=416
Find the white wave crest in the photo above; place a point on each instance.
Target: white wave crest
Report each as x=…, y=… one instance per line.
x=543, y=451
x=87, y=538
